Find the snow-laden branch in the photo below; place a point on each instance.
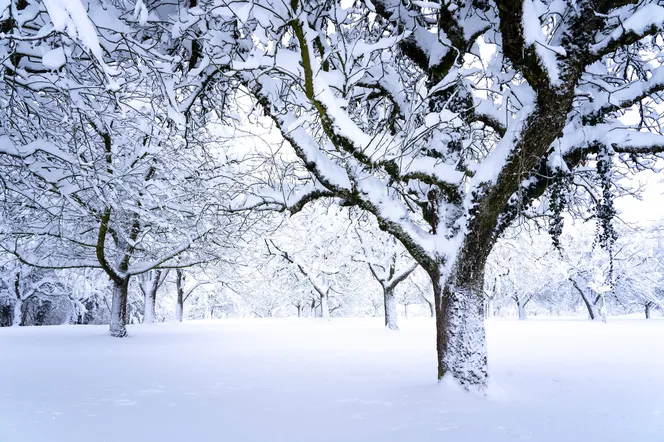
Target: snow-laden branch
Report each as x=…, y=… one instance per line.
x=615, y=98
x=630, y=24
x=137, y=269
x=7, y=147
x=620, y=139
x=321, y=288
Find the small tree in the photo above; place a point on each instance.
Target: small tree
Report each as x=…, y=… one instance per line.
x=389, y=264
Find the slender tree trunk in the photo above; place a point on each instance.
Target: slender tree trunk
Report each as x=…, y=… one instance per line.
x=589, y=305
x=299, y=310
x=313, y=308
x=179, y=302
x=460, y=334
x=432, y=310
x=647, y=306
x=405, y=310
x=489, y=308
x=324, y=307
x=118, y=327
x=390, y=309
x=17, y=320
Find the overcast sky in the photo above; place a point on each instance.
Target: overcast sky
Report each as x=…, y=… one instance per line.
x=651, y=207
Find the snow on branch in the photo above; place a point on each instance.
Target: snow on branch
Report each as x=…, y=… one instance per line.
x=631, y=24
x=71, y=17
x=621, y=140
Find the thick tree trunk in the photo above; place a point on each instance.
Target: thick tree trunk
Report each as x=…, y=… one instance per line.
x=151, y=299
x=179, y=307
x=390, y=309
x=460, y=335
x=149, y=311
x=521, y=309
x=17, y=320
x=324, y=307
x=647, y=306
x=118, y=327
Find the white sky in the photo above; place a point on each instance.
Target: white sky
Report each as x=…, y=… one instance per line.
x=651, y=207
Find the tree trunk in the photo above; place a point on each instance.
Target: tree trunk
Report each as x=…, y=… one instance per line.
x=299, y=310
x=149, y=312
x=405, y=310
x=179, y=302
x=17, y=320
x=432, y=310
x=324, y=307
x=179, y=307
x=489, y=308
x=589, y=305
x=390, y=309
x=460, y=335
x=521, y=309
x=313, y=308
x=118, y=327
x=647, y=306
x=208, y=307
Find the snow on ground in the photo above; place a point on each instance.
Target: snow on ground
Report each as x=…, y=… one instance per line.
x=347, y=380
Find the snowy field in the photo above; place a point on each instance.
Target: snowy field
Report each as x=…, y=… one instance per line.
x=347, y=380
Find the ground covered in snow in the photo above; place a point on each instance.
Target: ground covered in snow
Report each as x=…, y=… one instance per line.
x=347, y=380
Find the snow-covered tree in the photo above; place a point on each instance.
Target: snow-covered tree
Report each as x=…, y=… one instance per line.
x=149, y=283
x=447, y=120
x=444, y=120
x=36, y=296
x=521, y=265
x=98, y=174
x=388, y=263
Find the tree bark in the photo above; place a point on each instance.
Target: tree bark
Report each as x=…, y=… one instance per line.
x=151, y=299
x=489, y=308
x=521, y=308
x=647, y=306
x=17, y=320
x=589, y=305
x=118, y=327
x=324, y=307
x=390, y=309
x=460, y=334
x=179, y=302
